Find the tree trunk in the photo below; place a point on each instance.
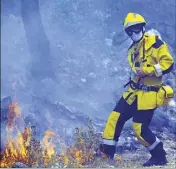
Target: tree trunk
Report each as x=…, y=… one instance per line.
x=37, y=40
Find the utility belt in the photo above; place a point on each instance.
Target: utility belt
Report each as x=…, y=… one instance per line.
x=142, y=87
x=164, y=93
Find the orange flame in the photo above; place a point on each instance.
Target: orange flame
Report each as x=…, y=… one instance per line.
x=49, y=148
x=16, y=150
x=20, y=148
x=16, y=146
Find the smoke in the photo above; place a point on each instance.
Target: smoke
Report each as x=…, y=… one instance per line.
x=89, y=70
x=14, y=54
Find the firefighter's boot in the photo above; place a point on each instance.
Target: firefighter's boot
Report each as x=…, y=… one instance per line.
x=158, y=156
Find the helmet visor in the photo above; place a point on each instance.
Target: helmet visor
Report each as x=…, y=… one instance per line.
x=134, y=28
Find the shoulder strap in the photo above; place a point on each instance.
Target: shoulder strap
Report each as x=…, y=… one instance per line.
x=143, y=52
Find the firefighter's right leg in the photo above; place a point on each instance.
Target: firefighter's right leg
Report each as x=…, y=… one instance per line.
x=114, y=125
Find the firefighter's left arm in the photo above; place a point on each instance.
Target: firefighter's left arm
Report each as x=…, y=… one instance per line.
x=165, y=61
x=164, y=64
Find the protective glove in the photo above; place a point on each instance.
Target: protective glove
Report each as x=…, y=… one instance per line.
x=145, y=71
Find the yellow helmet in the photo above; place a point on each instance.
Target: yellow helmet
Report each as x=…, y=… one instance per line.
x=133, y=19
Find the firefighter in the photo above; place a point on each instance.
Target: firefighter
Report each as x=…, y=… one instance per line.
x=149, y=59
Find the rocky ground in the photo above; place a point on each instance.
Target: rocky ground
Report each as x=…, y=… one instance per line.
x=135, y=158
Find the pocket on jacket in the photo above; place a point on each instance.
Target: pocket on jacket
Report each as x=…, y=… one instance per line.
x=164, y=95
x=146, y=100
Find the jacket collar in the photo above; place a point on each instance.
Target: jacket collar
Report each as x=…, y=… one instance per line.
x=149, y=40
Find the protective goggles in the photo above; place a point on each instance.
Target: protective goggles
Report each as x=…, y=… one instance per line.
x=135, y=28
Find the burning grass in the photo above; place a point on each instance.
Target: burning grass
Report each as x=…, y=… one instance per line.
x=24, y=148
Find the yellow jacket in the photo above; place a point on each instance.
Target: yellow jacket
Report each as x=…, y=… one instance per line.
x=151, y=54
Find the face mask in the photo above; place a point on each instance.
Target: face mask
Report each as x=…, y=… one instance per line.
x=137, y=36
